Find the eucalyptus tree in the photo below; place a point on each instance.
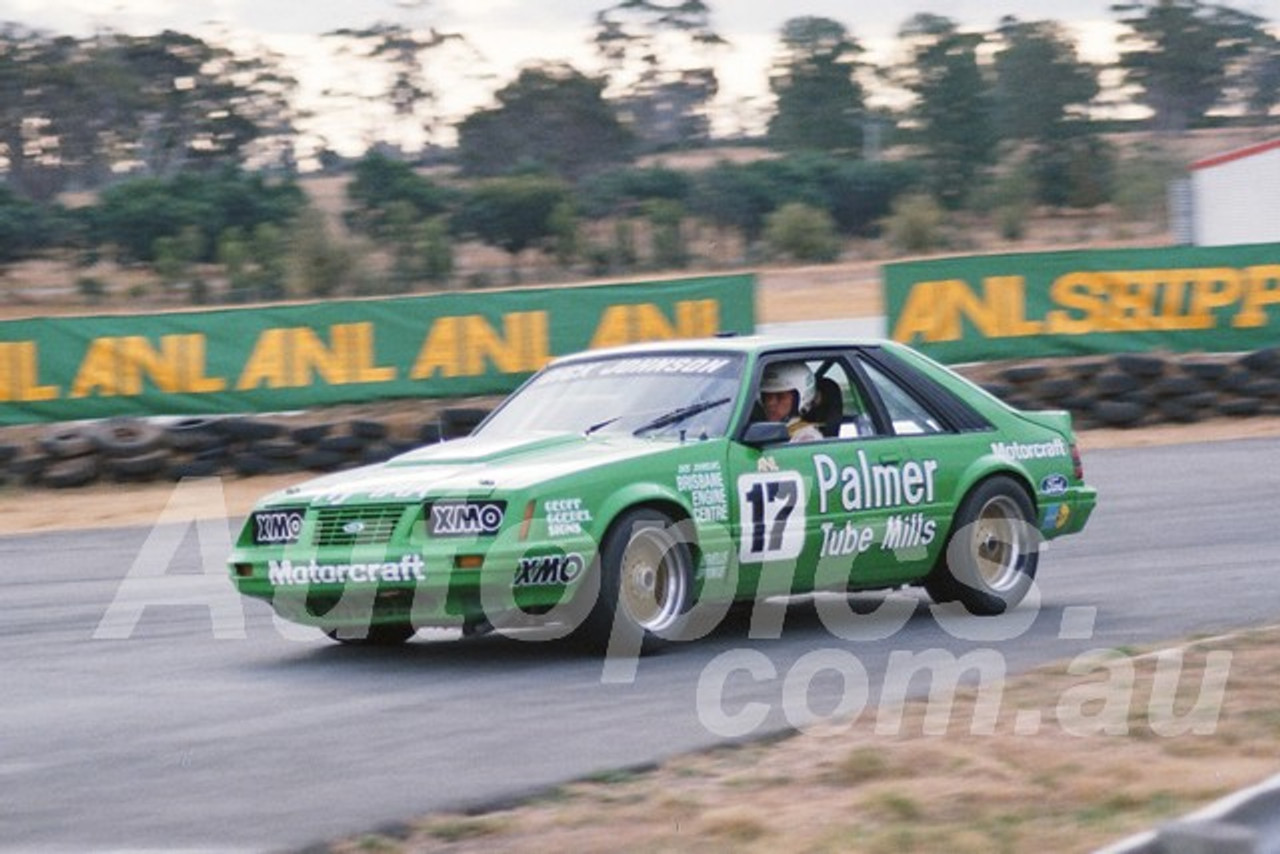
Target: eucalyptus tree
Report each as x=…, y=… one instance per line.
x=1182, y=55
x=551, y=117
x=820, y=103
x=659, y=58
x=952, y=111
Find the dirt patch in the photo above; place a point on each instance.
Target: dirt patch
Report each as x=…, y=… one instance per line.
x=1216, y=430
x=1049, y=761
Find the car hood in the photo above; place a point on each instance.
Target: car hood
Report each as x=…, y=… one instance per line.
x=474, y=467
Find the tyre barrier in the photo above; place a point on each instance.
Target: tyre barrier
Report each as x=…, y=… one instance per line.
x=131, y=450
x=1137, y=390
x=459, y=421
x=1125, y=391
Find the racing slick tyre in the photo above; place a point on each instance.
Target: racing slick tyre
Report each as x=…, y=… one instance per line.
x=141, y=467
x=991, y=556
x=374, y=431
x=246, y=429
x=429, y=434
x=380, y=634
x=70, y=473
x=318, y=460
x=310, y=434
x=646, y=585
x=194, y=435
x=457, y=422
x=67, y=443
x=1119, y=413
x=275, y=449
x=29, y=466
x=127, y=437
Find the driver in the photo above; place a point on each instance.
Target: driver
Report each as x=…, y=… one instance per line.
x=786, y=391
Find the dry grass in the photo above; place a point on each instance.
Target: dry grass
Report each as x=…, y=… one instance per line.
x=844, y=788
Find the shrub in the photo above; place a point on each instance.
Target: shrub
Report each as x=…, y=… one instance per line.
x=380, y=184
x=915, y=223
x=92, y=289
x=1142, y=184
x=669, y=249
x=136, y=215
x=318, y=265
x=803, y=233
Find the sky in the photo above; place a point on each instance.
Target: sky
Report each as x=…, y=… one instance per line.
x=869, y=18
x=509, y=33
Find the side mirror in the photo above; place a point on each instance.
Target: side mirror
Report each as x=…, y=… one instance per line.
x=763, y=433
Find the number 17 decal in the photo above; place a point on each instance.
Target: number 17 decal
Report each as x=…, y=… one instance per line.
x=773, y=515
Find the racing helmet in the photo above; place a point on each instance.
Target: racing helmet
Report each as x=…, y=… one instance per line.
x=790, y=376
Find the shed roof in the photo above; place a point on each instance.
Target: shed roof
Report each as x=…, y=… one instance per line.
x=1236, y=154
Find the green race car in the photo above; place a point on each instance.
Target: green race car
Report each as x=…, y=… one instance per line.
x=631, y=495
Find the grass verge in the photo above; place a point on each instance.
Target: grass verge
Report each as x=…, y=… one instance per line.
x=1079, y=755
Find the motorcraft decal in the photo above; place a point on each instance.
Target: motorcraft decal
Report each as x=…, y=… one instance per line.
x=286, y=572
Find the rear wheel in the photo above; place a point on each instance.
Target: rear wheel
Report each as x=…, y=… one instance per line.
x=992, y=553
x=645, y=583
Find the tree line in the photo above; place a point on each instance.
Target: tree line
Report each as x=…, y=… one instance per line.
x=194, y=145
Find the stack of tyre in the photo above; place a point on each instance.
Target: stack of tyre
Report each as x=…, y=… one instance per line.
x=1131, y=390
x=253, y=446
x=68, y=456
x=132, y=450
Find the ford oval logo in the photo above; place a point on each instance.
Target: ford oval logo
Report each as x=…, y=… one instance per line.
x=353, y=528
x=1055, y=484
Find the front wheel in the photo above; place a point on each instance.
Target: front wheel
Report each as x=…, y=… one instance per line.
x=646, y=583
x=992, y=553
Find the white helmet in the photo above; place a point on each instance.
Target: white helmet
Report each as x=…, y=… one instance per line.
x=790, y=376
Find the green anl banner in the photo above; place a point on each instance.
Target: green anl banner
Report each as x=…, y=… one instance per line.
x=275, y=358
x=1223, y=299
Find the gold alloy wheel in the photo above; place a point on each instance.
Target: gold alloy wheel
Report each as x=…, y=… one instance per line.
x=653, y=579
x=998, y=543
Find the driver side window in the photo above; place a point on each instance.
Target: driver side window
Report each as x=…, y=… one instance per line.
x=837, y=406
x=840, y=408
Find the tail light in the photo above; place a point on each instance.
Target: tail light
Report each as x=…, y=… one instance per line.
x=1077, y=464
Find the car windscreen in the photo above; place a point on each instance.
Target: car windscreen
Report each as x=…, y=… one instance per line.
x=646, y=395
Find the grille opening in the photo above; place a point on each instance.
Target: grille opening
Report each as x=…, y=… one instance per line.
x=357, y=526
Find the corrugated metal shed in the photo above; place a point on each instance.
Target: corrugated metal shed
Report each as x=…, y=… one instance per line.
x=1237, y=196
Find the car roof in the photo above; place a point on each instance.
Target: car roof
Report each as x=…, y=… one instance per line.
x=757, y=344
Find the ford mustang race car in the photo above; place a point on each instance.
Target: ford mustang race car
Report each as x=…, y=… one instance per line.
x=633, y=494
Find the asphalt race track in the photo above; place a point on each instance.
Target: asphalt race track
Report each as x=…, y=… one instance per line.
x=202, y=726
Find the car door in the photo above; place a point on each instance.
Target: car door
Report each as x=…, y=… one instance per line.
x=813, y=512
x=934, y=455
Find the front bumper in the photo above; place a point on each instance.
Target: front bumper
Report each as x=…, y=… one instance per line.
x=338, y=589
